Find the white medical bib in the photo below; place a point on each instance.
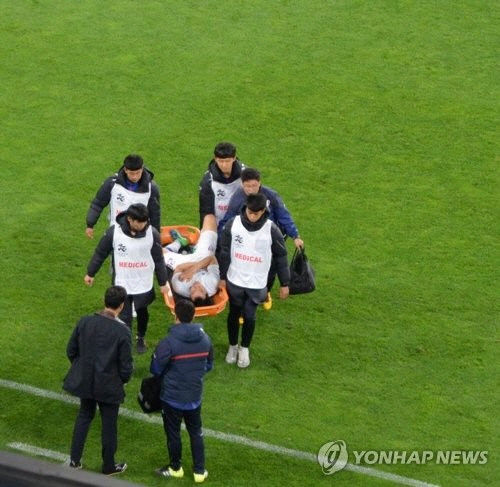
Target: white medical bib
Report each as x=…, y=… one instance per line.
x=223, y=193
x=133, y=263
x=250, y=255
x=122, y=198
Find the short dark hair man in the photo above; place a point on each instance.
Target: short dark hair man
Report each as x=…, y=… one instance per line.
x=137, y=256
x=133, y=183
x=278, y=213
x=101, y=363
x=248, y=244
x=182, y=359
x=219, y=182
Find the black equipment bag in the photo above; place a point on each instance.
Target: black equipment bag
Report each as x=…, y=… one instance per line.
x=149, y=395
x=302, y=275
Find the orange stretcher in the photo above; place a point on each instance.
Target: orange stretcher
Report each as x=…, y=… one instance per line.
x=219, y=299
x=188, y=231
x=219, y=303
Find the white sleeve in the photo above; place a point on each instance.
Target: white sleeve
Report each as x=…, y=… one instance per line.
x=183, y=288
x=173, y=259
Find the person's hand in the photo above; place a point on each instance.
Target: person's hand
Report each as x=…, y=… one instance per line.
x=89, y=232
x=182, y=267
x=299, y=243
x=88, y=280
x=284, y=292
x=187, y=274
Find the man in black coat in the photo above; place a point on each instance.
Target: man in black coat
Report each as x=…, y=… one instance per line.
x=137, y=255
x=133, y=183
x=101, y=363
x=249, y=243
x=221, y=179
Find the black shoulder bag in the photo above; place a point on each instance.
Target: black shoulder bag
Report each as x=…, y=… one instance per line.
x=149, y=395
x=302, y=276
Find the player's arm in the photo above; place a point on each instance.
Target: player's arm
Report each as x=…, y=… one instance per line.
x=125, y=361
x=154, y=206
x=103, y=249
x=188, y=269
x=225, y=250
x=282, y=216
x=160, y=358
x=206, y=198
x=210, y=359
x=97, y=205
x=72, y=348
x=161, y=270
x=279, y=251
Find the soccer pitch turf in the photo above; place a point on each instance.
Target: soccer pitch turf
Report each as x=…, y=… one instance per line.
x=377, y=122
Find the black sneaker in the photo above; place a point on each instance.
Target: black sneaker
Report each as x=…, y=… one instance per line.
x=77, y=465
x=186, y=250
x=141, y=345
x=119, y=468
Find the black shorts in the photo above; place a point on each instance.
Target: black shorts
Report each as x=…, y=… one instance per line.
x=239, y=295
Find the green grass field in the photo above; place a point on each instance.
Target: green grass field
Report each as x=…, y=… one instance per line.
x=378, y=124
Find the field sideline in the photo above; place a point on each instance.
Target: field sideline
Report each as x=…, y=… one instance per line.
x=156, y=419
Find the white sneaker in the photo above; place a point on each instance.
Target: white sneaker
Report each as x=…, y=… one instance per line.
x=232, y=354
x=243, y=357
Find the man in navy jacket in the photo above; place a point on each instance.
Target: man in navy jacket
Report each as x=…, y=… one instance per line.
x=278, y=213
x=182, y=359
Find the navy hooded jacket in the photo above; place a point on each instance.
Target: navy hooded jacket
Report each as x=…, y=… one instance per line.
x=278, y=212
x=182, y=358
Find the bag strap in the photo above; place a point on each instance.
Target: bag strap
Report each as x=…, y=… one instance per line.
x=299, y=253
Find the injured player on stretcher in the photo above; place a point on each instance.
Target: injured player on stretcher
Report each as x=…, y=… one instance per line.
x=196, y=275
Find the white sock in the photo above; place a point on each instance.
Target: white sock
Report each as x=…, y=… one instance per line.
x=175, y=246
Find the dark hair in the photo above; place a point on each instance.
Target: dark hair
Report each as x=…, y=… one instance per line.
x=256, y=202
x=225, y=150
x=114, y=297
x=250, y=174
x=184, y=310
x=138, y=212
x=133, y=162
x=206, y=301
